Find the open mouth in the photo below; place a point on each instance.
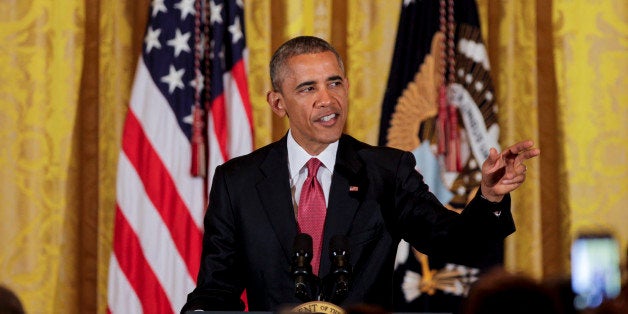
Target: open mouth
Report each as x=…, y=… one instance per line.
x=328, y=118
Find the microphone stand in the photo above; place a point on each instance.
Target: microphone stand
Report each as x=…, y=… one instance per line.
x=334, y=288
x=337, y=282
x=306, y=284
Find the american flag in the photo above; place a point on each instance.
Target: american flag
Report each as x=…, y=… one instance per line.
x=161, y=193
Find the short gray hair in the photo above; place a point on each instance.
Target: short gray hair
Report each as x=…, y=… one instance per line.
x=294, y=47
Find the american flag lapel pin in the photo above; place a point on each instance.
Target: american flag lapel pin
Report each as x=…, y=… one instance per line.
x=353, y=188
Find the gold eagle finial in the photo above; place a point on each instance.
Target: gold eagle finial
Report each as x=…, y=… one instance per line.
x=419, y=101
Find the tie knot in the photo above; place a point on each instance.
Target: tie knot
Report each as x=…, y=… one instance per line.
x=312, y=167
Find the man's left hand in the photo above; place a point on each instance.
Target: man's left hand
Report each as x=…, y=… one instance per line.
x=504, y=172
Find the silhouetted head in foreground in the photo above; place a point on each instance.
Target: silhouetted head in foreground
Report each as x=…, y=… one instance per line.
x=503, y=292
x=9, y=302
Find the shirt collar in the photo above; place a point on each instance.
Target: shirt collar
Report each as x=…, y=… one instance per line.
x=298, y=157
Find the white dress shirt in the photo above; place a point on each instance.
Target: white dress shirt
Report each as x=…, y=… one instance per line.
x=297, y=159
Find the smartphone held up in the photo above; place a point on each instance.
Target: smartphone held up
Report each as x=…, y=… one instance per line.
x=595, y=269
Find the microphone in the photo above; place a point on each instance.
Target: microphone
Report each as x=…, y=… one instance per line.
x=301, y=269
x=338, y=280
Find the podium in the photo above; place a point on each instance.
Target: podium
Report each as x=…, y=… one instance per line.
x=267, y=312
x=308, y=307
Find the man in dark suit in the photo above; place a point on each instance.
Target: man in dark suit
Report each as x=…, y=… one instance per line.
x=373, y=196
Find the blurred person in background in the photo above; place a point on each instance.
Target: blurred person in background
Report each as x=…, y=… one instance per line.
x=499, y=291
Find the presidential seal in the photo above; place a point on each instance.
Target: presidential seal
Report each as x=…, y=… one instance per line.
x=318, y=307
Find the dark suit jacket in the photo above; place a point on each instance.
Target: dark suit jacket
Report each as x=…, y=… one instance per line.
x=250, y=226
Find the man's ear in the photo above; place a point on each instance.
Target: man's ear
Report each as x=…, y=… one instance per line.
x=276, y=103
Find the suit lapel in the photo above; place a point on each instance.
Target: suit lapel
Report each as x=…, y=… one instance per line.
x=346, y=193
x=274, y=192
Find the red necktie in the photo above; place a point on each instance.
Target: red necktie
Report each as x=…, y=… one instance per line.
x=312, y=210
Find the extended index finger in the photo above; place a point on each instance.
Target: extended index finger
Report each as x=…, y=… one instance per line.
x=519, y=147
x=527, y=154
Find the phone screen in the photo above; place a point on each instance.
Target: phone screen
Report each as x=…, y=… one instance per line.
x=595, y=270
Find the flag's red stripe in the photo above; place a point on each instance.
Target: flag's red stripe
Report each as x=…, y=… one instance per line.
x=239, y=74
x=162, y=191
x=133, y=263
x=219, y=116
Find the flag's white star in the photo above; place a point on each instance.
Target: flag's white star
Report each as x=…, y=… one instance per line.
x=216, y=12
x=236, y=30
x=190, y=118
x=221, y=57
x=173, y=79
x=186, y=7
x=158, y=6
x=180, y=42
x=198, y=81
x=240, y=3
x=407, y=2
x=152, y=39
